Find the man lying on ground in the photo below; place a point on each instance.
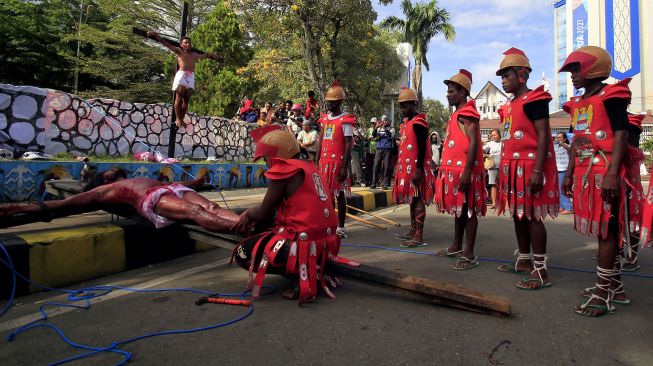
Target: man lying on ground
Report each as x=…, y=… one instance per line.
x=160, y=203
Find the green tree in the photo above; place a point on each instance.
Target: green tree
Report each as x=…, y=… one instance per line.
x=423, y=22
x=304, y=45
x=437, y=115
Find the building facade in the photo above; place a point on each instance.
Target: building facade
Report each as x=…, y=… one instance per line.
x=620, y=27
x=488, y=101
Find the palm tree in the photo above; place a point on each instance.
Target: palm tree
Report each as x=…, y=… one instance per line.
x=423, y=22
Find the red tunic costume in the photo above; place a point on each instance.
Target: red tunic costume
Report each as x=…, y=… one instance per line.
x=404, y=190
x=593, y=140
x=518, y=162
x=333, y=152
x=306, y=222
x=454, y=159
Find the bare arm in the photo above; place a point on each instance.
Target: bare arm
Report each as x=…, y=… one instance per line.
x=277, y=191
x=543, y=133
x=610, y=186
x=349, y=142
x=155, y=36
x=471, y=130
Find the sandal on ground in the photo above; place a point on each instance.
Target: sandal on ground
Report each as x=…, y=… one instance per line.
x=446, y=253
x=412, y=243
x=513, y=269
x=409, y=235
x=589, y=291
x=539, y=266
x=607, y=308
x=463, y=263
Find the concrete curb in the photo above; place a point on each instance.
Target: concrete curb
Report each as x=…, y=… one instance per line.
x=371, y=199
x=60, y=257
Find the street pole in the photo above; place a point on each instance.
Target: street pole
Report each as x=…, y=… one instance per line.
x=173, y=131
x=79, y=34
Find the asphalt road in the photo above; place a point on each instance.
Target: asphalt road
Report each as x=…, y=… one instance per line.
x=366, y=324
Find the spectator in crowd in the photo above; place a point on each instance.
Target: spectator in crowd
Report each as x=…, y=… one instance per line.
x=370, y=151
x=295, y=120
x=492, y=154
x=263, y=120
x=385, y=136
x=356, y=153
x=436, y=149
x=311, y=105
x=562, y=147
x=307, y=139
x=281, y=114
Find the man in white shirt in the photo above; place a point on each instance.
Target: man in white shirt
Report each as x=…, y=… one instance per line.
x=307, y=138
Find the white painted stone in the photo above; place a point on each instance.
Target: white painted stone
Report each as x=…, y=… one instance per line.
x=5, y=100
x=141, y=131
x=100, y=150
x=65, y=136
x=152, y=139
x=67, y=120
x=123, y=146
x=204, y=141
x=196, y=139
x=129, y=133
x=3, y=121
x=42, y=138
x=158, y=110
x=156, y=127
x=53, y=131
x=4, y=137
x=164, y=136
x=82, y=143
x=40, y=123
x=106, y=132
x=113, y=111
x=22, y=132
x=137, y=117
x=125, y=106
x=113, y=149
x=55, y=147
x=24, y=107
x=149, y=119
x=59, y=101
x=85, y=127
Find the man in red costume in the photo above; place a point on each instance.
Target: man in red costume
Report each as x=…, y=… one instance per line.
x=303, y=238
x=597, y=170
x=635, y=195
x=460, y=187
x=334, y=151
x=528, y=179
x=414, y=177
x=160, y=203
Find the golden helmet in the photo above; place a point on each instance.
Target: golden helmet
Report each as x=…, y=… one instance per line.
x=514, y=57
x=335, y=92
x=407, y=95
x=275, y=142
x=462, y=78
x=594, y=62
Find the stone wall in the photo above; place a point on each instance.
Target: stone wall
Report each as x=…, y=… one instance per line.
x=51, y=121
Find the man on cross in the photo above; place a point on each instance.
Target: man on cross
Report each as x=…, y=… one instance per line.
x=184, y=81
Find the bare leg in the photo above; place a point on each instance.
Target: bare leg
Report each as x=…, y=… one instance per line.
x=179, y=110
x=210, y=206
x=471, y=228
x=342, y=208
x=608, y=249
x=459, y=231
x=175, y=208
x=417, y=206
x=184, y=105
x=493, y=194
x=540, y=277
x=524, y=243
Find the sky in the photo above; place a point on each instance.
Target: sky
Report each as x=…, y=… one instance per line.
x=484, y=30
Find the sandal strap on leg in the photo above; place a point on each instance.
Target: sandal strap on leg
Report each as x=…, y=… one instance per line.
x=521, y=257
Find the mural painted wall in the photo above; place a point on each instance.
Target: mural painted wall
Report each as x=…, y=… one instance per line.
x=51, y=121
x=24, y=180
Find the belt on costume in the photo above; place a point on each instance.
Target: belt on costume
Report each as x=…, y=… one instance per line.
x=304, y=235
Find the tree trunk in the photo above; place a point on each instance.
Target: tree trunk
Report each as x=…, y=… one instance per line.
x=417, y=82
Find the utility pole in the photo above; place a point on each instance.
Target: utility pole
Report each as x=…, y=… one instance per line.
x=173, y=131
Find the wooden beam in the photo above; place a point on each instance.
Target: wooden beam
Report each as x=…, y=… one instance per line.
x=436, y=292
